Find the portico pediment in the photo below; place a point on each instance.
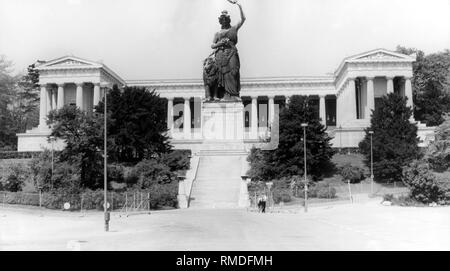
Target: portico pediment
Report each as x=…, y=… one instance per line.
x=69, y=62
x=380, y=54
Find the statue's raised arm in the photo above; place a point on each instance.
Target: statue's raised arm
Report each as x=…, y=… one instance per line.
x=241, y=22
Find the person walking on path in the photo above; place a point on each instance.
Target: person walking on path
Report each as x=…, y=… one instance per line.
x=263, y=203
x=259, y=201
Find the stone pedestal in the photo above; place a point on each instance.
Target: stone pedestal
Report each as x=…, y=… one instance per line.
x=223, y=121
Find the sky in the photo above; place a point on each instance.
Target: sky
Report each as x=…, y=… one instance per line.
x=168, y=39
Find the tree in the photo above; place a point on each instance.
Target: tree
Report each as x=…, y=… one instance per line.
x=431, y=85
x=83, y=135
x=137, y=126
x=28, y=99
x=18, y=103
x=7, y=121
x=394, y=138
x=438, y=152
x=288, y=159
x=136, y=130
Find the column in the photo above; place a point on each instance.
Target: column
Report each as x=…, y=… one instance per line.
x=170, y=115
x=60, y=103
x=254, y=118
x=43, y=106
x=79, y=96
x=351, y=102
x=49, y=100
x=370, y=97
x=271, y=110
x=53, y=99
x=409, y=94
x=322, y=110
x=187, y=118
x=390, y=84
x=339, y=109
x=96, y=94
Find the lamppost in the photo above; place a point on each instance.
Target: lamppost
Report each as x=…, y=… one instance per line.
x=371, y=162
x=304, y=125
x=105, y=156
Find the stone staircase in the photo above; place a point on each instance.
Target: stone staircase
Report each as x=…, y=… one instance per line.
x=218, y=180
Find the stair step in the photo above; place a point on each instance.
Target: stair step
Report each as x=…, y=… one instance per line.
x=217, y=184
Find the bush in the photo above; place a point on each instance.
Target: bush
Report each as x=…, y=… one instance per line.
x=56, y=198
x=256, y=187
x=66, y=177
x=93, y=199
x=17, y=155
x=352, y=173
x=163, y=195
x=260, y=169
x=150, y=172
x=160, y=196
x=116, y=173
x=41, y=171
x=281, y=195
x=13, y=178
x=20, y=198
x=438, y=152
x=322, y=190
x=176, y=160
x=388, y=197
x=422, y=183
x=403, y=200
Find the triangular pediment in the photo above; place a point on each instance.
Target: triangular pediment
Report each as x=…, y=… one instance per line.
x=380, y=54
x=69, y=61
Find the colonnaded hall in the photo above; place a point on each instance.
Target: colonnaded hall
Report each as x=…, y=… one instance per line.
x=343, y=100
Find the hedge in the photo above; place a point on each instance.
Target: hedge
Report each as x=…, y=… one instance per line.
x=18, y=155
x=160, y=196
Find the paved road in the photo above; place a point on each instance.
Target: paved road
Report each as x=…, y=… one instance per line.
x=362, y=226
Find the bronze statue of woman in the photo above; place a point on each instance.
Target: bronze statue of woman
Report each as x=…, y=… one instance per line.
x=221, y=69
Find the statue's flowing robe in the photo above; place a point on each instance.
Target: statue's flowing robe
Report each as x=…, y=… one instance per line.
x=227, y=61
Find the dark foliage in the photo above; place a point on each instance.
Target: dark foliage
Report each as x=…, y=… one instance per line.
x=431, y=85
x=438, y=152
x=152, y=172
x=394, y=139
x=83, y=135
x=287, y=160
x=352, y=173
x=28, y=97
x=18, y=155
x=136, y=125
x=13, y=179
x=424, y=186
x=176, y=160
